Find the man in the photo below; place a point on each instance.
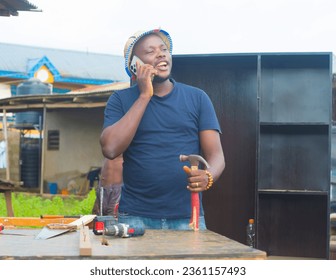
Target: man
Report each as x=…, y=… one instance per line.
x=110, y=183
x=151, y=124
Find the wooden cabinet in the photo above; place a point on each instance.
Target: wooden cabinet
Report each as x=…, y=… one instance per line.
x=275, y=114
x=294, y=154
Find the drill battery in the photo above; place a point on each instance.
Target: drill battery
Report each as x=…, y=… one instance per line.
x=102, y=222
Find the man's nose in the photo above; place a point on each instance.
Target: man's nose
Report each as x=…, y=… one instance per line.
x=161, y=53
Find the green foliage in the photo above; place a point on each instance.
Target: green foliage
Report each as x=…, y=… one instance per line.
x=27, y=205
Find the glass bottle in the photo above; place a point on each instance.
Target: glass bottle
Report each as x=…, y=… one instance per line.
x=250, y=234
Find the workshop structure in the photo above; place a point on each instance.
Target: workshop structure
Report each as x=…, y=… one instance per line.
x=275, y=111
x=68, y=146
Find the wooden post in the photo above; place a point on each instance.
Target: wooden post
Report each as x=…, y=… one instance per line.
x=8, y=198
x=8, y=192
x=4, y=127
x=44, y=140
x=85, y=248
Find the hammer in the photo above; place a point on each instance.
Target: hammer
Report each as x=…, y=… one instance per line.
x=195, y=204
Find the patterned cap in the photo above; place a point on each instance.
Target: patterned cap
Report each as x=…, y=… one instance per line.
x=128, y=50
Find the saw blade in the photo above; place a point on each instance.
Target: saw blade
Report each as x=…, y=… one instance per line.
x=47, y=233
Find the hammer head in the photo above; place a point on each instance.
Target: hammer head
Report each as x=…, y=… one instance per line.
x=194, y=160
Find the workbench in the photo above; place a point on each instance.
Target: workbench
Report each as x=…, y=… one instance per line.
x=154, y=244
x=6, y=187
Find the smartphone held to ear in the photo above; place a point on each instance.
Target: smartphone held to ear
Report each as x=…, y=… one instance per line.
x=133, y=64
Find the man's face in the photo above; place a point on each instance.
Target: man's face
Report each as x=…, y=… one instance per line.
x=152, y=50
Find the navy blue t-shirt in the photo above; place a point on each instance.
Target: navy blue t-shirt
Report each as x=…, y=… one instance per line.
x=154, y=180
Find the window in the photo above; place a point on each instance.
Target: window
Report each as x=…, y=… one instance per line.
x=53, y=140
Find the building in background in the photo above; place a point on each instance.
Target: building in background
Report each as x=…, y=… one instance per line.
x=66, y=70
x=58, y=97
x=67, y=144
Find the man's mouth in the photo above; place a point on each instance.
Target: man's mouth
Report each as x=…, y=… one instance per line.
x=162, y=66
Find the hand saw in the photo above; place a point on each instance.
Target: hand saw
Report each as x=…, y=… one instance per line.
x=53, y=230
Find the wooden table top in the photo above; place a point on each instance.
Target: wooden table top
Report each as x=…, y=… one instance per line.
x=154, y=244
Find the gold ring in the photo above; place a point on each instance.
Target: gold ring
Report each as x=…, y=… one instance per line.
x=197, y=185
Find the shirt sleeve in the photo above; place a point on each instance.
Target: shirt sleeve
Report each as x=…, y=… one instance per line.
x=113, y=110
x=208, y=118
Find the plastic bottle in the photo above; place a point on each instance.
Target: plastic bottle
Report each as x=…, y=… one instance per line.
x=250, y=233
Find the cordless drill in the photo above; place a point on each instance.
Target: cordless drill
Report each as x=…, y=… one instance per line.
x=108, y=226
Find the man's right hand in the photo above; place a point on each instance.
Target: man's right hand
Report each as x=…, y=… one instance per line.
x=145, y=75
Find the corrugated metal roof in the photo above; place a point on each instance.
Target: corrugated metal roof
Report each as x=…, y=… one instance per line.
x=101, y=88
x=11, y=7
x=54, y=101
x=69, y=63
x=90, y=97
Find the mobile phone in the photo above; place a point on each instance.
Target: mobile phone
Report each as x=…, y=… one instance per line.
x=133, y=64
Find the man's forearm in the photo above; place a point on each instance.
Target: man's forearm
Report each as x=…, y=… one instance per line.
x=116, y=138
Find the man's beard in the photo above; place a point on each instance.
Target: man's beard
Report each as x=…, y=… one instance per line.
x=160, y=80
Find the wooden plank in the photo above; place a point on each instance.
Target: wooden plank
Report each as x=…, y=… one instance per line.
x=33, y=222
x=83, y=220
x=85, y=248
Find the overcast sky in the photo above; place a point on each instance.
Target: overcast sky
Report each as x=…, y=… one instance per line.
x=212, y=26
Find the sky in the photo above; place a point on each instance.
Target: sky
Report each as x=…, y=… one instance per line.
x=196, y=27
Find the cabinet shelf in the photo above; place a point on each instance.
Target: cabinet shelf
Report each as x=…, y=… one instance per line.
x=291, y=191
x=294, y=124
x=294, y=157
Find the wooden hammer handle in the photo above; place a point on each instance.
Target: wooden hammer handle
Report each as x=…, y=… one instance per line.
x=195, y=207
